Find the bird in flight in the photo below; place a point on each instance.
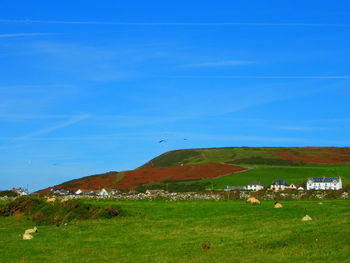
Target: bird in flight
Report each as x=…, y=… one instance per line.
x=162, y=141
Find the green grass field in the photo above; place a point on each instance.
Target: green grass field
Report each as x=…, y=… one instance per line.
x=159, y=231
x=266, y=174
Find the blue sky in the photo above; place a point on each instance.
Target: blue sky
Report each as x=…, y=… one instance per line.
x=92, y=86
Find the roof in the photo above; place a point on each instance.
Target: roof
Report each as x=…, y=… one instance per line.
x=280, y=182
x=255, y=183
x=324, y=179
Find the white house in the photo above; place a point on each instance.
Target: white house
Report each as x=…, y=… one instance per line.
x=78, y=192
x=324, y=183
x=301, y=188
x=114, y=192
x=255, y=186
x=20, y=191
x=235, y=188
x=103, y=192
x=292, y=186
x=279, y=185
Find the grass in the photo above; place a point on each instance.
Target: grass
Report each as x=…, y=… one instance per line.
x=266, y=174
x=159, y=231
x=56, y=213
x=253, y=155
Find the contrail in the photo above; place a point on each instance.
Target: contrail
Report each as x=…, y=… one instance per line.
x=195, y=24
x=54, y=127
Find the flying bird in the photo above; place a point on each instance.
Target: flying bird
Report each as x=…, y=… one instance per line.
x=162, y=141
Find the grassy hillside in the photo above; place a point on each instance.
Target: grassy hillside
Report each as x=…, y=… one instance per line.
x=266, y=174
x=255, y=155
x=219, y=167
x=132, y=179
x=161, y=231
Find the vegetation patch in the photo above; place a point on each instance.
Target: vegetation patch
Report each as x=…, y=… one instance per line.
x=175, y=158
x=268, y=161
x=8, y=193
x=56, y=213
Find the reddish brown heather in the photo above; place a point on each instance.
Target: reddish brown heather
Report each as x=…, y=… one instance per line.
x=187, y=172
x=134, y=178
x=315, y=155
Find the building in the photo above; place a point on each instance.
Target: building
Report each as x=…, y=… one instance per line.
x=279, y=185
x=20, y=191
x=324, y=183
x=292, y=186
x=114, y=192
x=235, y=188
x=103, y=192
x=79, y=192
x=301, y=188
x=255, y=186
x=58, y=191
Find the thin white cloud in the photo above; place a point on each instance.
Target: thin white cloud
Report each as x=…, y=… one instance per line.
x=335, y=120
x=225, y=63
x=257, y=24
x=52, y=128
x=301, y=128
x=22, y=35
x=28, y=116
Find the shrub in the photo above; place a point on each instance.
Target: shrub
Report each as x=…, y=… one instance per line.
x=8, y=193
x=56, y=213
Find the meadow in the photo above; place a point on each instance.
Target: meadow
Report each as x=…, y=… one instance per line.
x=266, y=174
x=160, y=231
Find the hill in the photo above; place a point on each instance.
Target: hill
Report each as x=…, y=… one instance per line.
x=132, y=179
x=200, y=169
x=255, y=155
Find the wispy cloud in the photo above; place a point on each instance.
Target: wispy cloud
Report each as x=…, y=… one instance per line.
x=225, y=63
x=22, y=35
x=302, y=128
x=28, y=116
x=256, y=24
x=52, y=128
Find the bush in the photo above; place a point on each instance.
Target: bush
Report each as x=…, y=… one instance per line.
x=8, y=193
x=56, y=213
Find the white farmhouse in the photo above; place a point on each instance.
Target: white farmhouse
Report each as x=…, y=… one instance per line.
x=292, y=186
x=279, y=185
x=78, y=192
x=20, y=191
x=103, y=192
x=255, y=186
x=324, y=183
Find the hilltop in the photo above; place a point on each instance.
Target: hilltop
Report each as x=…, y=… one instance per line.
x=255, y=155
x=197, y=169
